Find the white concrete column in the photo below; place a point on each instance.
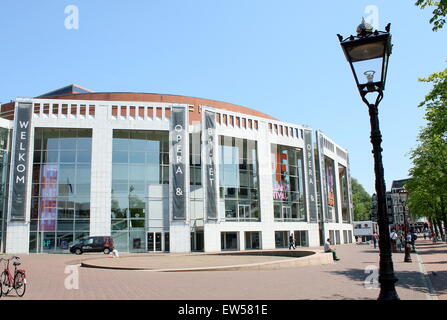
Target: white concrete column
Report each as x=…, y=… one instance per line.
x=211, y=235
x=266, y=188
x=101, y=175
x=179, y=237
x=17, y=237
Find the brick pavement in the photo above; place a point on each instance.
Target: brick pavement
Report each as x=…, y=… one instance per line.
x=341, y=280
x=434, y=260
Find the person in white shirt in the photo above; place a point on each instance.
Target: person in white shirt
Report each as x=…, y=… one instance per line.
x=393, y=237
x=114, y=253
x=327, y=248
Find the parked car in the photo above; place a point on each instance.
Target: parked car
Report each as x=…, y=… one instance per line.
x=93, y=244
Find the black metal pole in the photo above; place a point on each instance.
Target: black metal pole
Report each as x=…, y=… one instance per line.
x=387, y=279
x=407, y=257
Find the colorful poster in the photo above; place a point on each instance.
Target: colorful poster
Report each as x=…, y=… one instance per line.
x=48, y=198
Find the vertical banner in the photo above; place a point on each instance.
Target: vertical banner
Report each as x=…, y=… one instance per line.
x=310, y=170
x=209, y=145
x=22, y=129
x=178, y=137
x=323, y=188
x=48, y=198
x=348, y=174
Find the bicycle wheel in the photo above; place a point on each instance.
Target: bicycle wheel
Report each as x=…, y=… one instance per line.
x=5, y=283
x=20, y=284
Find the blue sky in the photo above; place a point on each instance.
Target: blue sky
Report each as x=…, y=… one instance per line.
x=279, y=57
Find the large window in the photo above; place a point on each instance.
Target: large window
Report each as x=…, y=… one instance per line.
x=288, y=183
x=60, y=205
x=281, y=239
x=140, y=160
x=301, y=238
x=229, y=240
x=195, y=161
x=238, y=177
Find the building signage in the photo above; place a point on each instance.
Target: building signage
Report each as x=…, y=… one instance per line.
x=310, y=176
x=209, y=137
x=21, y=158
x=178, y=162
x=348, y=177
x=324, y=195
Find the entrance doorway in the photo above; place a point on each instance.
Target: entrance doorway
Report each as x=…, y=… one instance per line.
x=155, y=241
x=197, y=241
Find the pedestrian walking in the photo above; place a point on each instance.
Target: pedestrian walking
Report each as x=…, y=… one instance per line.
x=328, y=248
x=394, y=237
x=375, y=239
x=414, y=237
x=399, y=243
x=435, y=238
x=291, y=242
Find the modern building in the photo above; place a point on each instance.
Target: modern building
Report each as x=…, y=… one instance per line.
x=165, y=173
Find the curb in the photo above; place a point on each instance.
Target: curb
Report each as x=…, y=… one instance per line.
x=431, y=295
x=315, y=259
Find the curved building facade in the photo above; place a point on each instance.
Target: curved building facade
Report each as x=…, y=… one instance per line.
x=165, y=173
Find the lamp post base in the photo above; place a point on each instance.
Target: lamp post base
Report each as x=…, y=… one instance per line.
x=389, y=294
x=388, y=288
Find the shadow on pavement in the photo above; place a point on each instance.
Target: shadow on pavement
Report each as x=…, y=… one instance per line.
x=411, y=280
x=436, y=262
x=439, y=281
x=433, y=252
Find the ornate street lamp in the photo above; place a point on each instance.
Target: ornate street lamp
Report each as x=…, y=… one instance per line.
x=403, y=202
x=368, y=54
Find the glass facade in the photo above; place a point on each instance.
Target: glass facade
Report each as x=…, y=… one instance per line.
x=252, y=240
x=281, y=239
x=238, y=177
x=140, y=169
x=288, y=183
x=229, y=240
x=60, y=204
x=301, y=238
x=4, y=174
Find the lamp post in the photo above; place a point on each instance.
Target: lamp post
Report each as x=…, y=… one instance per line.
x=368, y=54
x=403, y=202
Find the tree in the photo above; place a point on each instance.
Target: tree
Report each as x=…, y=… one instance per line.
x=428, y=183
x=362, y=201
x=439, y=11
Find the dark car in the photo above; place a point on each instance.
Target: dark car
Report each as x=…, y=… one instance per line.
x=93, y=244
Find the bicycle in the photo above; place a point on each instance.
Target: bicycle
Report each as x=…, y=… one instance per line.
x=8, y=282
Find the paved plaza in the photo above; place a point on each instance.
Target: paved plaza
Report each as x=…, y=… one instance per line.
x=344, y=279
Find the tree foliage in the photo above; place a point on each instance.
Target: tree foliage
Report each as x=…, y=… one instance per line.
x=361, y=201
x=428, y=183
x=439, y=11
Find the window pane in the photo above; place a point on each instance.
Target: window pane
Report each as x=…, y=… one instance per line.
x=120, y=157
x=83, y=174
x=67, y=156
